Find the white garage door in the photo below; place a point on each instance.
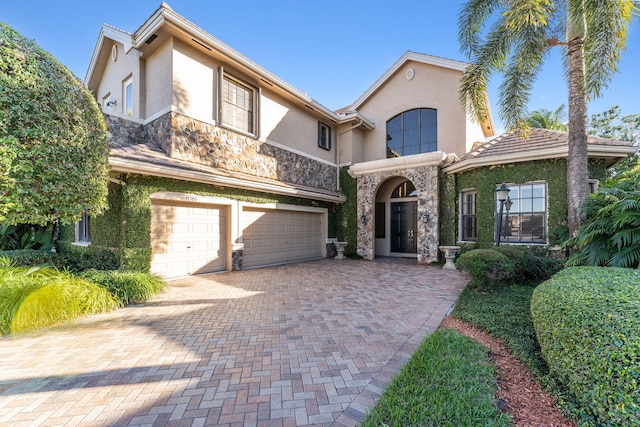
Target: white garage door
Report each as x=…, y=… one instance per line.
x=187, y=239
x=272, y=236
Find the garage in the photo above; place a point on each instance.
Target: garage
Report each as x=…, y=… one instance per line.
x=187, y=238
x=275, y=236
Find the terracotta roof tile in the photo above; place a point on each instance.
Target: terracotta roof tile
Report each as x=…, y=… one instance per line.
x=540, y=139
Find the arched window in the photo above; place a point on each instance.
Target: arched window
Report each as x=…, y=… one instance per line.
x=412, y=132
x=406, y=189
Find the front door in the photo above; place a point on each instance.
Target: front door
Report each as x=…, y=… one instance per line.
x=404, y=222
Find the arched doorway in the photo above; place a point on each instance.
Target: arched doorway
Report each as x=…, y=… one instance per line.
x=396, y=218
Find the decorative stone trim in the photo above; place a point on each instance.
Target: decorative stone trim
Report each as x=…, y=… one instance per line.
x=184, y=138
x=236, y=259
x=425, y=179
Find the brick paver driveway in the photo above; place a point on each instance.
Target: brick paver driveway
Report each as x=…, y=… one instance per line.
x=300, y=344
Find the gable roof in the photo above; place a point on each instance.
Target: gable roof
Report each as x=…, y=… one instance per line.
x=541, y=144
x=165, y=16
x=452, y=64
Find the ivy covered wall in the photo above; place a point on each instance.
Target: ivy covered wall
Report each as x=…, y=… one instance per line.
x=346, y=214
x=484, y=180
x=125, y=228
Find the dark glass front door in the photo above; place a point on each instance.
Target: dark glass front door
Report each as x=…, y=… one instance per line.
x=404, y=221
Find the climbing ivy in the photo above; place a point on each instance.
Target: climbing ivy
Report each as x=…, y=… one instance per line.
x=553, y=171
x=125, y=228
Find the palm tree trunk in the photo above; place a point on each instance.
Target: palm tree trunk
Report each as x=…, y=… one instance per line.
x=577, y=161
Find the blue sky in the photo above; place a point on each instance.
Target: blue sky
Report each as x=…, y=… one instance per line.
x=333, y=50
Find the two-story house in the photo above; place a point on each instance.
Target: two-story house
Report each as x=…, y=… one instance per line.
x=217, y=164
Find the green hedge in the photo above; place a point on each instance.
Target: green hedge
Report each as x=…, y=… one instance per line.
x=531, y=264
x=487, y=268
x=587, y=320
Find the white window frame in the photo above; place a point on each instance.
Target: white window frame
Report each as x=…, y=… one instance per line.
x=127, y=96
x=324, y=136
x=464, y=215
x=252, y=110
x=517, y=210
x=83, y=230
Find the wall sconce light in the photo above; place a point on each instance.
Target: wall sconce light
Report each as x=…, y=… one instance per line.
x=112, y=103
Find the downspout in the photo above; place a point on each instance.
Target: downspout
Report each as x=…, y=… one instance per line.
x=338, y=150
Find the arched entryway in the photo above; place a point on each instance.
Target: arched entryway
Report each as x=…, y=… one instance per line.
x=377, y=177
x=396, y=218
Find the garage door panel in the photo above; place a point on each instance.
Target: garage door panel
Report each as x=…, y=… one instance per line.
x=278, y=236
x=187, y=239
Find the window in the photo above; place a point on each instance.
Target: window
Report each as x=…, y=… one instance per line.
x=381, y=220
x=237, y=105
x=524, y=218
x=412, y=132
x=406, y=189
x=83, y=229
x=127, y=95
x=594, y=184
x=468, y=220
x=324, y=136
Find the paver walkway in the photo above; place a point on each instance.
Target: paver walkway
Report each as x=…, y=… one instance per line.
x=312, y=343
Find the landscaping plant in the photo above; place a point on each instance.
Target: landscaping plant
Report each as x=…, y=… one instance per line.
x=611, y=234
x=488, y=268
x=32, y=298
x=587, y=320
x=127, y=287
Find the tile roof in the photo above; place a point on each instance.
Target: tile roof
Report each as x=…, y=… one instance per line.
x=540, y=139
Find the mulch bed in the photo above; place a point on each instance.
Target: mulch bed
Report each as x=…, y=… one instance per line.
x=519, y=394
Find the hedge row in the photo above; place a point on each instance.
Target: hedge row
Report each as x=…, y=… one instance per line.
x=587, y=320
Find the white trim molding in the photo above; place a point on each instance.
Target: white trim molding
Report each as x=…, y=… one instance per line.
x=436, y=158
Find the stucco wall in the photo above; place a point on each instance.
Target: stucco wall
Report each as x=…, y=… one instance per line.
x=159, y=87
x=430, y=87
x=115, y=73
x=194, y=82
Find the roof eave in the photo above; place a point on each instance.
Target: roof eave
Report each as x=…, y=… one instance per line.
x=595, y=151
x=123, y=165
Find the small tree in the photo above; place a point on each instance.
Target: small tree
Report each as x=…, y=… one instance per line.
x=53, y=148
x=609, y=124
x=546, y=119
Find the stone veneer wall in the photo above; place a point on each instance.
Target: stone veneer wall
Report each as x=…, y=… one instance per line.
x=425, y=180
x=122, y=132
x=184, y=138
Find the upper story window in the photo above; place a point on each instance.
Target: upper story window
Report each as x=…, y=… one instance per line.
x=324, y=136
x=524, y=215
x=468, y=218
x=127, y=96
x=238, y=105
x=412, y=132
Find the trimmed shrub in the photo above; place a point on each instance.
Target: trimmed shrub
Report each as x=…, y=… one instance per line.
x=80, y=258
x=531, y=265
x=30, y=257
x=127, y=287
x=487, y=268
x=587, y=320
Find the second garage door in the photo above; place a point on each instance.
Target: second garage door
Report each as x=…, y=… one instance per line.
x=275, y=236
x=187, y=238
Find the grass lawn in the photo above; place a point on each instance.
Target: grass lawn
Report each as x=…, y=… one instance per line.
x=505, y=313
x=449, y=381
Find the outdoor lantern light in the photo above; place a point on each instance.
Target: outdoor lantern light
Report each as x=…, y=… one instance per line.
x=503, y=196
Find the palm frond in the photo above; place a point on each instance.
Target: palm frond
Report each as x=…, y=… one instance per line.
x=471, y=20
x=605, y=40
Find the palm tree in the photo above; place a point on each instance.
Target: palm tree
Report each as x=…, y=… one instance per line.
x=593, y=34
x=546, y=119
